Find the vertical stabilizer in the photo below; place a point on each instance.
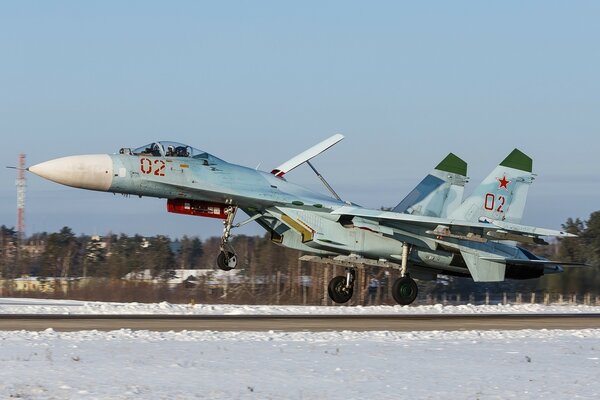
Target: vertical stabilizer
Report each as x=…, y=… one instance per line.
x=502, y=195
x=440, y=192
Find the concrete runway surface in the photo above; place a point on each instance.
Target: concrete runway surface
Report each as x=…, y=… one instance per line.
x=318, y=323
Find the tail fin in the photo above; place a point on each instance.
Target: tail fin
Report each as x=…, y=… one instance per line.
x=502, y=195
x=440, y=192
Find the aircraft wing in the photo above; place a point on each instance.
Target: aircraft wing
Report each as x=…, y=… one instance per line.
x=498, y=230
x=306, y=155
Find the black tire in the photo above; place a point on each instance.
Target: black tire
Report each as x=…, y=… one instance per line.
x=226, y=262
x=337, y=290
x=405, y=290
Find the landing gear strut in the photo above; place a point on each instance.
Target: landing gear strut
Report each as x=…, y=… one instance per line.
x=227, y=259
x=341, y=288
x=405, y=288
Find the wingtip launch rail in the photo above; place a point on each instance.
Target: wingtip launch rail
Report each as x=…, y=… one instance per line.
x=306, y=155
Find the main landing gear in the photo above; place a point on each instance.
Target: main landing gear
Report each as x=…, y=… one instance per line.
x=404, y=290
x=341, y=288
x=227, y=259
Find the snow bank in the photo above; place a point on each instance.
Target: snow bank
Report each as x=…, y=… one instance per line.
x=141, y=336
x=39, y=306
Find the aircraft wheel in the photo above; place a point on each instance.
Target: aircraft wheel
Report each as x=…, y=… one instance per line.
x=226, y=260
x=405, y=290
x=338, y=291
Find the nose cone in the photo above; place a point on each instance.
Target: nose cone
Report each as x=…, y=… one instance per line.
x=93, y=172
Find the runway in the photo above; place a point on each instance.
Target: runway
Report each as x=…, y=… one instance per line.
x=295, y=323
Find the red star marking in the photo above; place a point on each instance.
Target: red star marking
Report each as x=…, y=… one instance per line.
x=503, y=183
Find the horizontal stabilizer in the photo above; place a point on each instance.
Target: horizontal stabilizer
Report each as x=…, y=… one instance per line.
x=519, y=261
x=306, y=155
x=525, y=229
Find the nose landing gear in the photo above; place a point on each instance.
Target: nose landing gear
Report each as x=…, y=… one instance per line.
x=227, y=259
x=341, y=288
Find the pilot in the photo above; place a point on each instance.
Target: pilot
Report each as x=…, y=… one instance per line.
x=155, y=150
x=181, y=151
x=170, y=151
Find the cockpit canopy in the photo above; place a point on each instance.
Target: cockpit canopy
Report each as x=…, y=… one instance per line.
x=169, y=149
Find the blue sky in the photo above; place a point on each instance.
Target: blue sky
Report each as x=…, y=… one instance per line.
x=257, y=82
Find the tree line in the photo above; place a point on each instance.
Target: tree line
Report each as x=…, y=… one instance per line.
x=65, y=255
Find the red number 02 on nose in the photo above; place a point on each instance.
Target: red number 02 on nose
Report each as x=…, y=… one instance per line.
x=147, y=167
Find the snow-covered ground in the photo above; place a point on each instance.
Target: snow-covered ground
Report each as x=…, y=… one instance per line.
x=40, y=306
x=277, y=365
x=125, y=364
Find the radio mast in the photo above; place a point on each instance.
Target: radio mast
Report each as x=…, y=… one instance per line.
x=21, y=185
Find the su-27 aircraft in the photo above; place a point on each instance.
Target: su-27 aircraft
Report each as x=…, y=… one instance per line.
x=432, y=231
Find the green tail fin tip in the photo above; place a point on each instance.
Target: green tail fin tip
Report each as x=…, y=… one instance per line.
x=518, y=160
x=453, y=164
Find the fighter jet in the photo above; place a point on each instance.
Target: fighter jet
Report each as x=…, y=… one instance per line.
x=431, y=232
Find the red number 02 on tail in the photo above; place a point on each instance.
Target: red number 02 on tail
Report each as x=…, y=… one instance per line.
x=491, y=201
